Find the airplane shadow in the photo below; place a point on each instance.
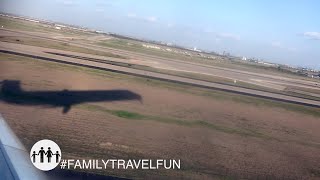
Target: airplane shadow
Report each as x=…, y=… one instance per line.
x=12, y=93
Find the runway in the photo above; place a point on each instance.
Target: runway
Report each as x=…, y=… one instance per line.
x=40, y=53
x=271, y=81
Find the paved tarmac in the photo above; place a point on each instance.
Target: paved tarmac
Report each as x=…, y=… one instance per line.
x=40, y=53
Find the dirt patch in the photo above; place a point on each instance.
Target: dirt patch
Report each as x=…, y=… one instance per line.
x=281, y=144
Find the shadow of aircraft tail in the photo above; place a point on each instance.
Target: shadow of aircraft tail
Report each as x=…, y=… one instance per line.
x=11, y=92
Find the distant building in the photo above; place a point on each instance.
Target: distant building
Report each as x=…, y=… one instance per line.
x=150, y=46
x=244, y=58
x=32, y=20
x=60, y=25
x=196, y=50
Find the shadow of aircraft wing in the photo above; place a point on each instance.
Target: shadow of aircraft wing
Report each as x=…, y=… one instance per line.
x=11, y=92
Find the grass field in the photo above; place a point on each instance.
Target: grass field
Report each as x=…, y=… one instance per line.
x=215, y=79
x=181, y=122
x=16, y=24
x=220, y=61
x=217, y=95
x=56, y=45
x=174, y=121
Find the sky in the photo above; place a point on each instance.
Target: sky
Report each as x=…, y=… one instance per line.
x=286, y=31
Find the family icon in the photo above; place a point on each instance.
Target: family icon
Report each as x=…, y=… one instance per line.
x=45, y=155
x=42, y=153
